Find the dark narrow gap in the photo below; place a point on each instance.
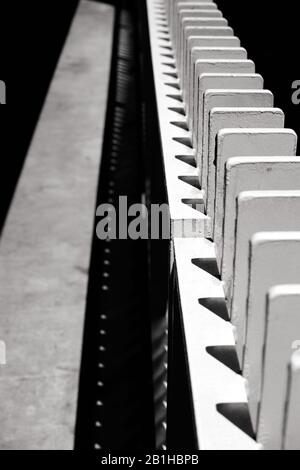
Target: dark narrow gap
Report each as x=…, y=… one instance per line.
x=115, y=405
x=181, y=431
x=158, y=249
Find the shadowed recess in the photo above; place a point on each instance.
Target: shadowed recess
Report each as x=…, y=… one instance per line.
x=184, y=141
x=192, y=180
x=188, y=159
x=216, y=305
x=237, y=414
x=175, y=97
x=178, y=110
x=209, y=265
x=197, y=204
x=181, y=124
x=173, y=85
x=227, y=355
x=169, y=56
x=172, y=66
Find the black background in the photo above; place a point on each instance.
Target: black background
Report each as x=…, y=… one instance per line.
x=32, y=34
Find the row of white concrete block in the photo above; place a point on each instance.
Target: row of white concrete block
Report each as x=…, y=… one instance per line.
x=249, y=178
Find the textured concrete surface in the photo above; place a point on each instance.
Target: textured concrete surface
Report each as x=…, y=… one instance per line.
x=45, y=248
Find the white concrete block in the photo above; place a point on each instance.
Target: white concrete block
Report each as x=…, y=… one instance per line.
x=257, y=211
x=173, y=6
x=224, y=98
x=213, y=66
x=220, y=53
x=201, y=31
x=274, y=259
x=218, y=81
x=292, y=418
x=227, y=118
x=282, y=331
x=252, y=170
x=188, y=23
x=203, y=41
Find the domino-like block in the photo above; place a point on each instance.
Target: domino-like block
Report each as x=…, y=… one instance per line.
x=201, y=31
x=225, y=98
x=274, y=260
x=282, y=331
x=220, y=53
x=257, y=211
x=214, y=66
x=173, y=6
x=199, y=22
x=228, y=118
x=192, y=13
x=202, y=41
x=218, y=81
x=191, y=6
x=292, y=418
x=244, y=174
x=197, y=18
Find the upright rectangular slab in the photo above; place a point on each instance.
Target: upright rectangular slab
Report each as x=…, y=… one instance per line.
x=173, y=6
x=192, y=13
x=274, y=259
x=224, y=98
x=189, y=6
x=46, y=243
x=203, y=41
x=245, y=143
x=220, y=53
x=257, y=211
x=282, y=331
x=201, y=31
x=188, y=23
x=291, y=437
x=213, y=66
x=209, y=15
x=228, y=118
x=218, y=81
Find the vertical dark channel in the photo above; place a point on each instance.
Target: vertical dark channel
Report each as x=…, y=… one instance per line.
x=115, y=405
x=181, y=430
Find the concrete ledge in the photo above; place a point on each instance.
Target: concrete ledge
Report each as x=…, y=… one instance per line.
x=45, y=247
